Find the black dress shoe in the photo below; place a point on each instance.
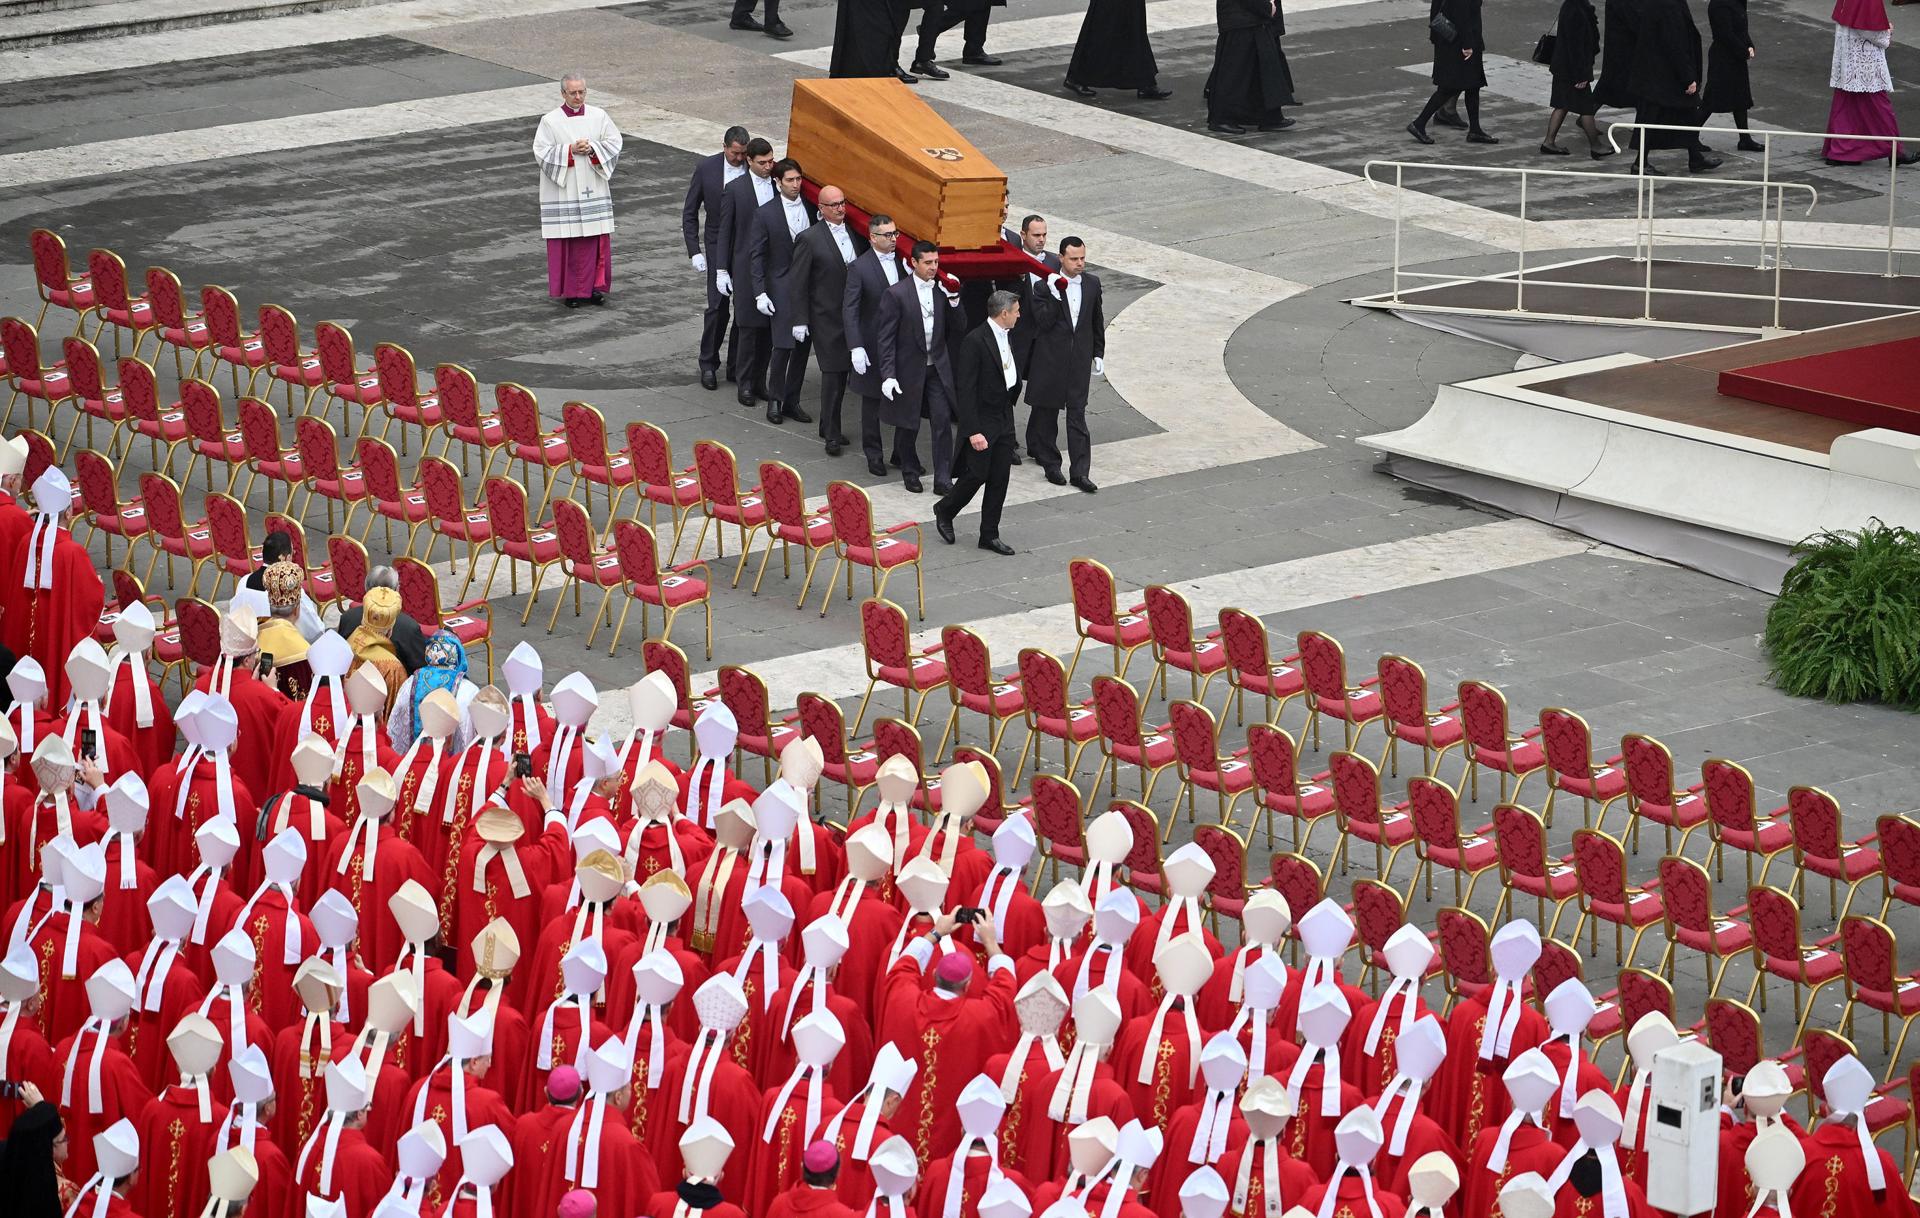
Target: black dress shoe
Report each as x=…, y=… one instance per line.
x=1450, y=118
x=980, y=59
x=1749, y=144
x=1908, y=157
x=876, y=469
x=597, y=299
x=1554, y=150
x=572, y=302
x=1700, y=162
x=1015, y=458
x=1281, y=125
x=1419, y=133
x=796, y=414
x=745, y=23
x=837, y=438
x=894, y=462
x=1076, y=88
x=835, y=448
x=709, y=379
x=912, y=483
x=997, y=546
x=941, y=488
x=1477, y=136
x=1227, y=128
x=905, y=77
x=944, y=527
x=930, y=69
x=1153, y=93
x=773, y=413
x=779, y=30
x=1056, y=477
x=1085, y=484
x=744, y=396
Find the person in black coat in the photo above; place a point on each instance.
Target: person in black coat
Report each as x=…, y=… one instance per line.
x=733, y=246
x=988, y=381
x=1617, y=50
x=1113, y=52
x=941, y=16
x=866, y=38
x=817, y=291
x=1458, y=67
x=1069, y=350
x=710, y=176
x=1250, y=81
x=1728, y=89
x=776, y=228
x=868, y=279
x=1576, y=44
x=1665, y=81
x=916, y=373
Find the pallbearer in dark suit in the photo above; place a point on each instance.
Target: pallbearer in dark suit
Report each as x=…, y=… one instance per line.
x=1069, y=350
x=988, y=380
x=740, y=201
x=916, y=374
x=816, y=291
x=867, y=280
x=775, y=230
x=710, y=178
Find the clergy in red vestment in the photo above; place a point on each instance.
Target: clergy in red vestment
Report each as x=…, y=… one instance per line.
x=764, y=864
x=1018, y=921
x=1651, y=1035
x=651, y=700
x=956, y=1183
x=1590, y=1172
x=1570, y=1008
x=1317, y=1082
x=1087, y=1152
x=600, y=879
x=533, y=725
x=281, y=933
x=370, y=864
x=1204, y=1131
x=134, y=706
x=815, y=1195
x=418, y=917
x=720, y=880
x=66, y=807
x=708, y=1081
x=1256, y=1026
x=1159, y=1057
x=494, y=952
x=708, y=785
x=502, y=873
x=1846, y=1173
x=233, y=1181
x=1040, y=1007
x=1351, y=1188
x=165, y=986
x=953, y=1029
x=257, y=705
x=1367, y=1054
x=814, y=855
x=1187, y=872
x=1263, y=1175
x=116, y=1149
x=662, y=840
x=1485, y=1033
x=15, y=521
x=1411, y=1135
x=216, y=905
x=54, y=594
x=68, y=943
x=862, y=1126
x=130, y=881
x=563, y=759
x=1116, y=1191
x=25, y=1055
x=1326, y=932
x=31, y=714
x=337, y=1162
x=657, y=981
x=1772, y=1165
x=793, y=1112
x=303, y=1050
x=388, y=1051
x=1520, y=1142
x=960, y=792
x=306, y=809
x=1083, y=1089
x=98, y=1082
x=1202, y=1195
x=84, y=724
x=1762, y=1100
x=705, y=1149
x=824, y=945
x=478, y=773
x=486, y=1156
x=1116, y=917
x=568, y=1029
x=872, y=919
x=594, y=1150
x=363, y=746
x=453, y=1097
x=227, y=1004
x=540, y=1129
x=665, y=899
x=199, y=787
x=246, y=1127
x=323, y=712
x=1067, y=913
x=177, y=1126
x=895, y=1174
x=423, y=772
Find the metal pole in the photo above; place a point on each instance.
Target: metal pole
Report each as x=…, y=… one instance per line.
x=1646, y=306
x=1520, y=283
x=1779, y=251
x=1893, y=174
x=1766, y=179
x=1399, y=195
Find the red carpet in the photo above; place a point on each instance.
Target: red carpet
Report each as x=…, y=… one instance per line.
x=1876, y=385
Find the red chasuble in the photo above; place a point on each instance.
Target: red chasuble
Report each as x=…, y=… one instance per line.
x=39, y=824
x=483, y=1107
x=272, y=995
x=1351, y=1199
x=1423, y=1137
x=1834, y=1182
x=542, y=860
x=951, y=1039
x=360, y=1174
x=650, y=1110
x=627, y=1177
x=667, y=1205
x=1467, y=1095
x=1170, y=1085
x=1735, y=1194
x=169, y=840
x=1172, y=1168
x=175, y=1145
x=395, y=861
x=344, y=791
x=806, y=1201
x=1295, y=1180
x=774, y=1166
x=27, y=1058
x=123, y=911
x=1371, y=1072
x=773, y=1057
x=1014, y=1120
x=63, y=996
x=145, y=1040
x=296, y=724
x=930, y=1196
x=123, y=1096
x=872, y=924
x=258, y=706
x=1530, y=1150
x=1309, y=1134
x=854, y=1185
x=152, y=745
x=46, y=623
x=1570, y=1203
x=733, y=1100
x=1042, y=1140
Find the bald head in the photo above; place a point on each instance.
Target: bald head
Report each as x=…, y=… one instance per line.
x=833, y=205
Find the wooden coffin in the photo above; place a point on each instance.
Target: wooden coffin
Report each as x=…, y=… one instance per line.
x=876, y=140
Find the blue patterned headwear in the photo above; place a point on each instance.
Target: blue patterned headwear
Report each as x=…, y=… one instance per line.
x=445, y=668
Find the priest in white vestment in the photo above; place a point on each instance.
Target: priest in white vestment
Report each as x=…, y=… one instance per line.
x=578, y=147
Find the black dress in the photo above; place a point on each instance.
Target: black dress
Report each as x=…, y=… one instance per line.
x=1728, y=89
x=866, y=37
x=1112, y=51
x=1616, y=66
x=1576, y=45
x=1250, y=80
x=1666, y=60
x=1450, y=71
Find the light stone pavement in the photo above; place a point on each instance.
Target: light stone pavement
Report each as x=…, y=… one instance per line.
x=370, y=166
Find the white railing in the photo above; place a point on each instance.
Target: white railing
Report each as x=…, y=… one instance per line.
x=1772, y=200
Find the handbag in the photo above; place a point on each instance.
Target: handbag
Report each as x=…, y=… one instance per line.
x=1442, y=28
x=1543, y=49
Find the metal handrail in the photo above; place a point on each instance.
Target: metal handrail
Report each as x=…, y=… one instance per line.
x=1644, y=187
x=1766, y=137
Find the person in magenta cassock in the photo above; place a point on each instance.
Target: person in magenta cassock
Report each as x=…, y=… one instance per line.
x=578, y=147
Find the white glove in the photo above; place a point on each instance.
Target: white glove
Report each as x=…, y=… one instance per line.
x=723, y=280
x=800, y=334
x=889, y=389
x=764, y=303
x=700, y=263
x=1099, y=366
x=860, y=360
x=953, y=298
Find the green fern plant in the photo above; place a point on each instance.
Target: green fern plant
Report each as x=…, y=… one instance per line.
x=1846, y=627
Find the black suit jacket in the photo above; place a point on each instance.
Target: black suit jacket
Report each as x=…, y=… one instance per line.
x=904, y=349
x=1060, y=368
x=702, y=233
x=771, y=256
x=733, y=247
x=860, y=316
x=983, y=404
x=1036, y=304
x=817, y=285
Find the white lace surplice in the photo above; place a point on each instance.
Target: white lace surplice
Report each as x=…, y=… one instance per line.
x=1860, y=60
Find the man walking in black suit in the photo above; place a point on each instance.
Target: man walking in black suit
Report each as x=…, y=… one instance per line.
x=871, y=274
x=988, y=380
x=916, y=375
x=740, y=200
x=816, y=292
x=710, y=177
x=779, y=224
x=1069, y=349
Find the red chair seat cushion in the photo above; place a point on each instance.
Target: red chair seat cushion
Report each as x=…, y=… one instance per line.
x=321, y=586
x=1209, y=657
x=476, y=527
x=1233, y=776
x=673, y=590
x=1154, y=751
x=1683, y=814
x=1605, y=1022
x=426, y=413
x=859, y=770
x=1129, y=630
x=284, y=468
x=1279, y=681
x=1357, y=706
x=683, y=490
x=603, y=572
x=619, y=471
x=885, y=553
x=171, y=425
x=551, y=450
x=1314, y=799
x=1819, y=964
x=1560, y=882
x=103, y=629
x=1072, y=856
x=230, y=447
x=129, y=521
x=1903, y=1002
x=768, y=745
x=490, y=434
x=1728, y=935
x=54, y=384
x=1607, y=781
x=541, y=546
x=815, y=532
x=351, y=485
x=78, y=294
x=1005, y=699
x=1392, y=829
x=465, y=626
x=921, y=672
x=363, y=389
x=251, y=353
x=1641, y=909
x=1853, y=863
x=409, y=508
x=1765, y=838
x=1475, y=853
x=1080, y=724
x=1519, y=757
x=749, y=512
x=195, y=543
x=166, y=645
x=1438, y=732
x=194, y=335
x=137, y=314
x=305, y=374
x=112, y=407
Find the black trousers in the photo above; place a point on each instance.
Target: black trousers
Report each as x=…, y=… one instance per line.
x=974, y=470
x=751, y=355
x=744, y=8
x=941, y=16
x=833, y=390
x=870, y=440
x=938, y=410
x=1043, y=440
x=787, y=371
x=714, y=327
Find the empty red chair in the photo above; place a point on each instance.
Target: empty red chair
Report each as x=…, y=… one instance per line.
x=724, y=503
x=1571, y=767
x=179, y=329
x=1097, y=617
x=389, y=500
x=1145, y=870
x=232, y=346
x=1643, y=993
x=1057, y=821
x=101, y=506
x=1170, y=629
x=1439, y=842
x=856, y=544
x=1653, y=793
x=1406, y=717
x=91, y=396
x=1126, y=738
x=470, y=622
x=790, y=523
x=342, y=377
x=853, y=767
x=745, y=694
x=347, y=559
x=519, y=413
x=1252, y=668
x=20, y=348
x=260, y=432
x=1465, y=954
x=1043, y=681
x=1899, y=859
x=1871, y=956
x=1528, y=868
x=39, y=455
x=288, y=363
x=1278, y=786
x=451, y=516
x=585, y=429
x=1200, y=764
x=209, y=435
x=886, y=647
x=197, y=625
x=1490, y=742
x=1605, y=896
x=168, y=531
x=584, y=561
x=669, y=590
x=459, y=394
x=1559, y=963
x=1324, y=662
x=658, y=655
x=517, y=538
x=415, y=408
x=1226, y=894
x=234, y=554
x=1357, y=804
x=660, y=482
x=1819, y=849
x=319, y=450
x=1686, y=892
x=1733, y=819
x=1780, y=951
x=54, y=281
x=114, y=304
x=972, y=686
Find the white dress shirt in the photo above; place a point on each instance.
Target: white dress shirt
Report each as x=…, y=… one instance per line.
x=796, y=215
x=729, y=171
x=762, y=188
x=1006, y=352
x=924, y=287
x=1073, y=301
x=841, y=241
x=890, y=267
